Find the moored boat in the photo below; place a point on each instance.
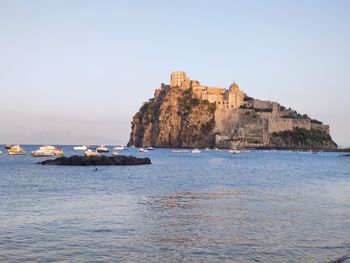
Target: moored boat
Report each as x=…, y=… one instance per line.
x=48, y=150
x=143, y=150
x=150, y=148
x=119, y=148
x=233, y=151
x=91, y=153
x=16, y=150
x=102, y=149
x=196, y=150
x=80, y=148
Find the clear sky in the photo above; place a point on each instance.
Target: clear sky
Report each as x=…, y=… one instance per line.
x=76, y=72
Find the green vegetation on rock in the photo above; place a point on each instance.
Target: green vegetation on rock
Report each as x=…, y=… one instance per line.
x=302, y=138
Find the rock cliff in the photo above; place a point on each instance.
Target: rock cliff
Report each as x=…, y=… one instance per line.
x=174, y=118
x=188, y=114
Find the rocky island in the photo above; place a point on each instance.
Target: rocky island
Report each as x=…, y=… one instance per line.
x=77, y=160
x=189, y=114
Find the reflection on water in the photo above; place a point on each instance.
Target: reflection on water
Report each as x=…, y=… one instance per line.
x=244, y=226
x=255, y=207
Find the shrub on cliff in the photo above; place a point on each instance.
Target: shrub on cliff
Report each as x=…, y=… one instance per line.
x=316, y=121
x=247, y=98
x=302, y=137
x=211, y=106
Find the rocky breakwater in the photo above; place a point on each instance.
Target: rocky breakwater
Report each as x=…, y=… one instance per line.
x=76, y=160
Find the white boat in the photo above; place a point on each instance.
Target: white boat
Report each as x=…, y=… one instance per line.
x=143, y=150
x=234, y=151
x=80, y=148
x=16, y=150
x=132, y=147
x=91, y=153
x=115, y=153
x=0, y=152
x=207, y=149
x=119, y=148
x=47, y=150
x=216, y=149
x=150, y=148
x=102, y=149
x=196, y=150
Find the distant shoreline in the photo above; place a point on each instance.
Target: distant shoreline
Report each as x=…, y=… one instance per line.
x=250, y=148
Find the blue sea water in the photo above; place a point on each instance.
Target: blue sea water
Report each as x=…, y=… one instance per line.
x=256, y=206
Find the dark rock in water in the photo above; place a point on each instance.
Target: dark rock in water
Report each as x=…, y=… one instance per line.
x=97, y=160
x=344, y=259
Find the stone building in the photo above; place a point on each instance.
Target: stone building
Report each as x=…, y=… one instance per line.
x=179, y=79
x=231, y=98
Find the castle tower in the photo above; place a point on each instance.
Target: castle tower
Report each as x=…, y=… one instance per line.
x=234, y=87
x=179, y=79
x=236, y=96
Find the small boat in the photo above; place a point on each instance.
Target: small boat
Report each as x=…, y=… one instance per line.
x=132, y=147
x=91, y=153
x=47, y=150
x=216, y=149
x=143, y=150
x=16, y=150
x=207, y=149
x=233, y=151
x=115, y=153
x=150, y=148
x=196, y=150
x=80, y=148
x=102, y=149
x=119, y=148
x=0, y=152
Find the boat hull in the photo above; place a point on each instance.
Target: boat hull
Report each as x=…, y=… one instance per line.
x=16, y=153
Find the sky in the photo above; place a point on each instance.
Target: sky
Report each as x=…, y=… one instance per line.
x=75, y=72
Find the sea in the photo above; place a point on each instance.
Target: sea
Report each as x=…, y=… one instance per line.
x=256, y=206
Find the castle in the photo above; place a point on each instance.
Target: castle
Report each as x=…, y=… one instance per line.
x=232, y=98
x=242, y=119
x=185, y=113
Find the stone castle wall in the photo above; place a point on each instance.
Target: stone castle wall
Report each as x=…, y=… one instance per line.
x=320, y=127
x=301, y=123
x=262, y=104
x=238, y=128
x=279, y=124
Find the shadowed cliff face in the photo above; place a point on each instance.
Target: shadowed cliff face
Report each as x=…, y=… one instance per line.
x=174, y=118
